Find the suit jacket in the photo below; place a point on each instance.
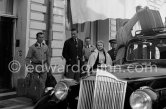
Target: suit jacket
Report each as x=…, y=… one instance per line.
x=88, y=51
x=72, y=52
x=112, y=53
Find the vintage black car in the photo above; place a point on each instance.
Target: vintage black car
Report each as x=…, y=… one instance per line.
x=140, y=83
x=137, y=84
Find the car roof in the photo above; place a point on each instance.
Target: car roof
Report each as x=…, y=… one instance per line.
x=154, y=36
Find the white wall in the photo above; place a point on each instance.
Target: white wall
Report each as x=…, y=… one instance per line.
x=58, y=37
x=21, y=11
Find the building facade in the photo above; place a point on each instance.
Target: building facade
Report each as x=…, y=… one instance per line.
x=20, y=20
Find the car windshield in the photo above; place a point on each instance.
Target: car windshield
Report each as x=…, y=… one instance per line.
x=147, y=49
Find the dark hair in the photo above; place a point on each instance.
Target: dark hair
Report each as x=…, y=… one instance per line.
x=39, y=33
x=87, y=38
x=74, y=29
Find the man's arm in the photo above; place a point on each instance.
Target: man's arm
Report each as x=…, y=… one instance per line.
x=48, y=56
x=124, y=32
x=29, y=56
x=65, y=51
x=129, y=25
x=82, y=47
x=93, y=48
x=83, y=53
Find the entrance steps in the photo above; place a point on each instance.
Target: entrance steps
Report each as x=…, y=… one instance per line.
x=10, y=100
x=7, y=95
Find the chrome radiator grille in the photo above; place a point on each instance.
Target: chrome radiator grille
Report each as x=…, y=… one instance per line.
x=86, y=94
x=107, y=92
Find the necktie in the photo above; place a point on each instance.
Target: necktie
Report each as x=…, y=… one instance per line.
x=75, y=41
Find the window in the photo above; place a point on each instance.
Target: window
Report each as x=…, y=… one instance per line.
x=152, y=49
x=6, y=6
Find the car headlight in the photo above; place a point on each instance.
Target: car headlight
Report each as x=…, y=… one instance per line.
x=61, y=90
x=48, y=89
x=140, y=100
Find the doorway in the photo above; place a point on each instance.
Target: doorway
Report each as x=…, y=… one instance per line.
x=6, y=45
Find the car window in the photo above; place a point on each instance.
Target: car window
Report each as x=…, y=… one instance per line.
x=148, y=49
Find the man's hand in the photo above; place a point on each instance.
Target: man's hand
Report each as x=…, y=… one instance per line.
x=139, y=8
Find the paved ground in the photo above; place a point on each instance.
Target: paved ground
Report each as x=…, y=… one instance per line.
x=15, y=102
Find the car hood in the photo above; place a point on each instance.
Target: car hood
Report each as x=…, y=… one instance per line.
x=136, y=71
x=140, y=72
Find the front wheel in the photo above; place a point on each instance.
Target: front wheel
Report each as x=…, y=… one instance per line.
x=42, y=103
x=47, y=102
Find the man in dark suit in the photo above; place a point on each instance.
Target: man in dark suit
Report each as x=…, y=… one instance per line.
x=72, y=52
x=112, y=52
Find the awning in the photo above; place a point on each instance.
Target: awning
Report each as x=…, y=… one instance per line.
x=91, y=10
